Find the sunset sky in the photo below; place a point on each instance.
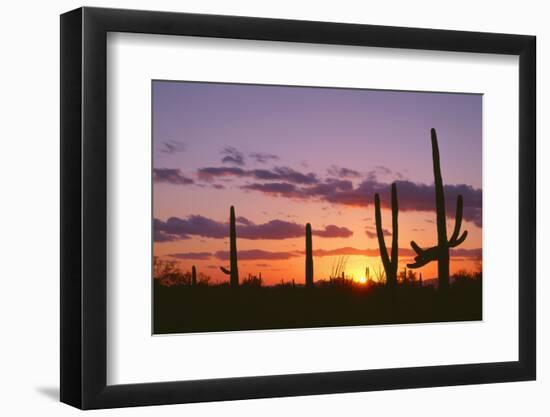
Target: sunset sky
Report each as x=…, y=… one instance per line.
x=286, y=156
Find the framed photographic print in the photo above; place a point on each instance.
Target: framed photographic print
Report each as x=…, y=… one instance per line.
x=257, y=208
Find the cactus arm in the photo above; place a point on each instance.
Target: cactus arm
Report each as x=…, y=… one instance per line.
x=225, y=270
x=458, y=219
x=431, y=253
x=427, y=256
x=416, y=248
x=455, y=240
x=455, y=243
x=380, y=234
x=418, y=264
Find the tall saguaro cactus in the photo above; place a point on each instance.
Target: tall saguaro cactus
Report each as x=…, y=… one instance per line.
x=440, y=252
x=193, y=276
x=390, y=264
x=309, y=257
x=233, y=270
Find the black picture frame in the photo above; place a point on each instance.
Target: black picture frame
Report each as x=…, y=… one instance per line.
x=84, y=207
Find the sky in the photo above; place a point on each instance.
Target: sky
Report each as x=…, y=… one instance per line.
x=284, y=156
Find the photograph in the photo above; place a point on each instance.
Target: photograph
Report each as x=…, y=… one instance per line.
x=286, y=207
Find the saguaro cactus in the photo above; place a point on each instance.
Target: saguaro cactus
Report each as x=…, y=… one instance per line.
x=193, y=276
x=309, y=257
x=440, y=252
x=390, y=264
x=233, y=270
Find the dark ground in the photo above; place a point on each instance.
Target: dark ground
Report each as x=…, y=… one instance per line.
x=183, y=309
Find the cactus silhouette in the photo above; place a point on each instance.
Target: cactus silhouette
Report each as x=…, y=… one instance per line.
x=309, y=257
x=390, y=264
x=440, y=252
x=233, y=270
x=193, y=276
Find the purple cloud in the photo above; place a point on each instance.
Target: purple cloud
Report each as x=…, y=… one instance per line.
x=172, y=147
x=293, y=176
x=333, y=231
x=177, y=229
x=210, y=173
x=370, y=231
x=243, y=220
x=170, y=176
x=412, y=196
x=280, y=229
x=191, y=255
x=336, y=171
x=257, y=255
x=284, y=174
x=276, y=188
x=193, y=225
x=160, y=236
x=232, y=156
x=263, y=158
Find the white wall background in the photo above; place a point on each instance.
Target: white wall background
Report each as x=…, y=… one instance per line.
x=29, y=237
